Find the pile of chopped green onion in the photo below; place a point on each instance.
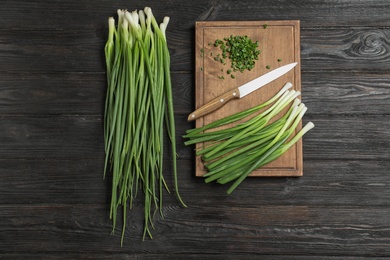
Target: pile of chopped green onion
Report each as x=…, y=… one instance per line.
x=138, y=111
x=258, y=136
x=241, y=51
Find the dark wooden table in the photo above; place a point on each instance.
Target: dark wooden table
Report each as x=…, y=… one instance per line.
x=54, y=202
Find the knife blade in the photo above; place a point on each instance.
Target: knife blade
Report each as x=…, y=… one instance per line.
x=241, y=91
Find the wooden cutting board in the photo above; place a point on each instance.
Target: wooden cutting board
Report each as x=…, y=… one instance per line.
x=279, y=43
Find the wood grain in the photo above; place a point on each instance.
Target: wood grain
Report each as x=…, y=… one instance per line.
x=80, y=182
x=225, y=228
x=68, y=14
x=80, y=137
x=54, y=203
x=333, y=49
x=333, y=92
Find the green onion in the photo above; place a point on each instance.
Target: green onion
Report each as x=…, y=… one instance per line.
x=231, y=154
x=138, y=107
x=241, y=51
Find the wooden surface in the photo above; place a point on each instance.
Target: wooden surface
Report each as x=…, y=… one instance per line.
x=279, y=44
x=54, y=201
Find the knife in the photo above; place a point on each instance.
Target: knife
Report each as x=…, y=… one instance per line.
x=241, y=91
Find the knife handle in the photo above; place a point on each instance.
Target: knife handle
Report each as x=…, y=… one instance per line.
x=214, y=104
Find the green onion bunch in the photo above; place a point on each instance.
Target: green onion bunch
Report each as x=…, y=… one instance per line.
x=138, y=113
x=254, y=138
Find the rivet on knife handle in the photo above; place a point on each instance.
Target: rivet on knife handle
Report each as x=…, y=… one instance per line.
x=214, y=104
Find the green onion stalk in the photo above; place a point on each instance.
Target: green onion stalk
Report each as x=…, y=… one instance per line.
x=138, y=113
x=259, y=135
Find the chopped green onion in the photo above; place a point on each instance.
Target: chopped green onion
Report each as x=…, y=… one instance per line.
x=241, y=51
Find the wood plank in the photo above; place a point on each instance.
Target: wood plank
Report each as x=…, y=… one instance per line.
x=270, y=229
x=333, y=13
x=51, y=51
x=356, y=137
x=78, y=182
x=70, y=15
x=346, y=93
x=170, y=256
x=335, y=49
x=364, y=49
x=51, y=137
x=52, y=93
x=279, y=45
x=73, y=93
x=77, y=50
x=67, y=137
x=330, y=183
x=53, y=182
